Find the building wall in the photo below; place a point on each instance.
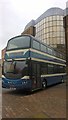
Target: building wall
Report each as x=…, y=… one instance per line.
x=66, y=36
x=3, y=54
x=31, y=30
x=0, y=68
x=49, y=28
x=1, y=60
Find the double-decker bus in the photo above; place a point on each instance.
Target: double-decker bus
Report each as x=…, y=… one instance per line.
x=30, y=64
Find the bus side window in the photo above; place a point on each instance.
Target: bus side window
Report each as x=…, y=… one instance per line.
x=54, y=53
x=50, y=51
x=61, y=69
x=43, y=48
x=55, y=69
x=50, y=68
x=43, y=68
x=58, y=69
x=36, y=45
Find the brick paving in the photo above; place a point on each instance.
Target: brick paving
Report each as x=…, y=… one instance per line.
x=49, y=103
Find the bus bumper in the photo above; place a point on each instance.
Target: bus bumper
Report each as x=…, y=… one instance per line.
x=18, y=84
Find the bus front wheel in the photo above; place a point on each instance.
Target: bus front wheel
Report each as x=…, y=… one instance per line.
x=44, y=84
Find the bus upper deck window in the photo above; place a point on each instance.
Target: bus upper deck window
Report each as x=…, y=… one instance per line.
x=36, y=45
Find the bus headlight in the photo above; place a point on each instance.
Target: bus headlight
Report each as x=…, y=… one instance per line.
x=24, y=82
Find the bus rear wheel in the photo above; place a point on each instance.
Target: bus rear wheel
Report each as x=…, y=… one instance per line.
x=44, y=84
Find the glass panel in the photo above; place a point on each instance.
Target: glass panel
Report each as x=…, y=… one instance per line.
x=45, y=30
x=62, y=34
x=41, y=27
x=47, y=35
x=42, y=21
x=50, y=18
x=58, y=41
x=58, y=17
x=54, y=34
x=54, y=28
x=58, y=22
x=62, y=41
x=54, y=23
x=50, y=23
x=51, y=34
x=50, y=28
x=51, y=41
x=58, y=34
x=46, y=19
x=46, y=24
x=48, y=41
x=61, y=17
x=36, y=30
x=55, y=41
x=61, y=23
x=54, y=17
x=58, y=28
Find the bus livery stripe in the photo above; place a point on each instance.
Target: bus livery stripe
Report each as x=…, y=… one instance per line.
x=40, y=60
x=51, y=75
x=36, y=51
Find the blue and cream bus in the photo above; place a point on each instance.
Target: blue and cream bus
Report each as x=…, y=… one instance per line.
x=30, y=64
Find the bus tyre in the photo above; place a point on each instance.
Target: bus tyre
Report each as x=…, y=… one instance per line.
x=44, y=84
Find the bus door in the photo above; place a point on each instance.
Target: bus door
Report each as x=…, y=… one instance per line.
x=35, y=75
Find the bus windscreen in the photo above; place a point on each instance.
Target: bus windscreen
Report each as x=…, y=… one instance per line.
x=15, y=69
x=19, y=42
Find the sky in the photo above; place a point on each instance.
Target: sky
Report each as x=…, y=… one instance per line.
x=15, y=14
